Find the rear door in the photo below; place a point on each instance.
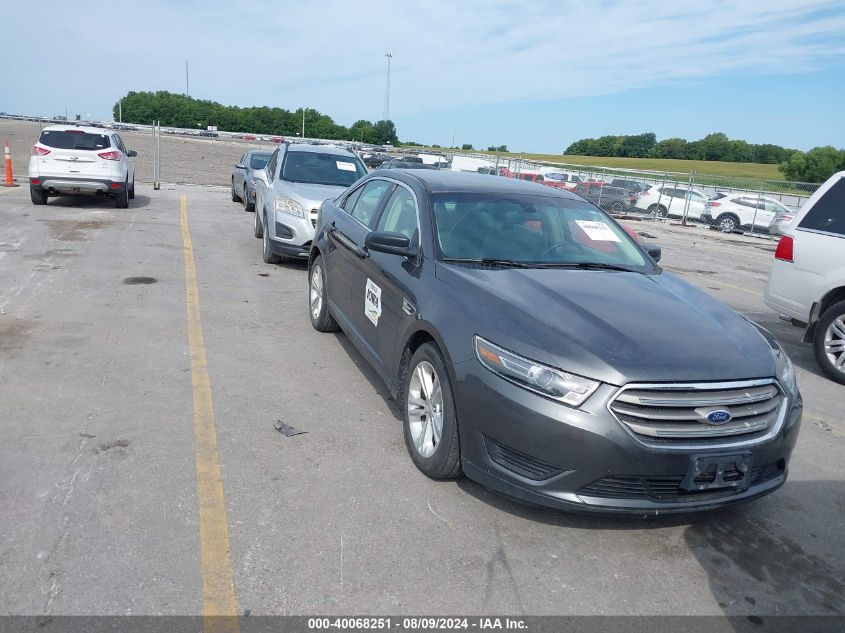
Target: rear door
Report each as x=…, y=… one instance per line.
x=73, y=152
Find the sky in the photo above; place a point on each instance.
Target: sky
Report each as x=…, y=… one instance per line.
x=535, y=76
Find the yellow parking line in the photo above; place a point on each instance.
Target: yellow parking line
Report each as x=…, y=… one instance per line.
x=218, y=580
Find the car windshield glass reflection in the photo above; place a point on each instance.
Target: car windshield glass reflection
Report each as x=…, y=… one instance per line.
x=322, y=169
x=539, y=230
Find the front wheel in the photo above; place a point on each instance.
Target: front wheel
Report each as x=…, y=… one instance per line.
x=38, y=196
x=658, y=210
x=132, y=190
x=318, y=307
x=829, y=342
x=257, y=227
x=235, y=196
x=617, y=207
x=431, y=424
x=267, y=253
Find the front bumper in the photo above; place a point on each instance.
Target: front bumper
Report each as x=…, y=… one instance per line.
x=69, y=185
x=531, y=448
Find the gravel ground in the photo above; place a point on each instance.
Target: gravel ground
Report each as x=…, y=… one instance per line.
x=183, y=160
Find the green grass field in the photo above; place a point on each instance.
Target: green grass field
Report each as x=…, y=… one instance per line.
x=703, y=167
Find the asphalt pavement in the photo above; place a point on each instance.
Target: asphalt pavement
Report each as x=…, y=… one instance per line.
x=102, y=375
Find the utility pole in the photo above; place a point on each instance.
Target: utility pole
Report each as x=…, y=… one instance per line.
x=120, y=110
x=387, y=89
x=303, y=122
x=453, y=138
x=187, y=85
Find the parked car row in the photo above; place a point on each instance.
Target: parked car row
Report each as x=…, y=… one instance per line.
x=531, y=342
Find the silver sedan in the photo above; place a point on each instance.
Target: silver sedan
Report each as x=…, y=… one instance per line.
x=243, y=188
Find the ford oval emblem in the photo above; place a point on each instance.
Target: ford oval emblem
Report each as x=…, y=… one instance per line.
x=718, y=417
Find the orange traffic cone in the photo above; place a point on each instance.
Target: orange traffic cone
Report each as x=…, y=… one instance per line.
x=10, y=181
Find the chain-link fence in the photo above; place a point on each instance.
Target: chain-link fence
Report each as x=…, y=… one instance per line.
x=727, y=203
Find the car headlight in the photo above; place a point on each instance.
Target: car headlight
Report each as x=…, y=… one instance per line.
x=786, y=373
x=564, y=387
x=291, y=207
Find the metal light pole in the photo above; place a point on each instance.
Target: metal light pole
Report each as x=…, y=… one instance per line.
x=303, y=122
x=187, y=88
x=387, y=89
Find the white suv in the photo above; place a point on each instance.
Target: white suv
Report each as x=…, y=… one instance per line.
x=81, y=160
x=807, y=282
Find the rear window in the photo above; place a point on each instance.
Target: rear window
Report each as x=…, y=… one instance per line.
x=73, y=139
x=322, y=169
x=259, y=161
x=828, y=213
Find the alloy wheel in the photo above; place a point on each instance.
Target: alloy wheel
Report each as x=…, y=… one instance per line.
x=425, y=409
x=834, y=343
x=316, y=295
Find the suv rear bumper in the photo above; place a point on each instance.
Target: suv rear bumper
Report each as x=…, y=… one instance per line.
x=56, y=185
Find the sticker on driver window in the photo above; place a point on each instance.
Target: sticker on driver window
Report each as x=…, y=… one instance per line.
x=598, y=231
x=372, y=302
x=345, y=166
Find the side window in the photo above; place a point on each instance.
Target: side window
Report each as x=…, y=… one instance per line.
x=828, y=213
x=271, y=166
x=241, y=161
x=351, y=199
x=120, y=144
x=400, y=214
x=367, y=203
x=775, y=207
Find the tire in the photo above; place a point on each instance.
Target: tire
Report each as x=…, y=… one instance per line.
x=658, y=210
x=267, y=253
x=235, y=197
x=38, y=196
x=132, y=190
x=248, y=206
x=121, y=200
x=617, y=207
x=257, y=227
x=727, y=222
x=439, y=459
x=829, y=342
x=318, y=306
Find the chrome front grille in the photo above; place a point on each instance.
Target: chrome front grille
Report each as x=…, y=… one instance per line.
x=674, y=413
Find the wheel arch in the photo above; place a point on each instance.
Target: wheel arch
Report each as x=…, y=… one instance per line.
x=422, y=333
x=830, y=298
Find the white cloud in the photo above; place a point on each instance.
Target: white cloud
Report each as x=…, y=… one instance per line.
x=329, y=54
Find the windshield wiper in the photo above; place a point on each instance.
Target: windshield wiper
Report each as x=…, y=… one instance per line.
x=587, y=266
x=488, y=261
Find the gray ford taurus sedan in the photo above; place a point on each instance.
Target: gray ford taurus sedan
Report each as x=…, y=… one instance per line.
x=536, y=348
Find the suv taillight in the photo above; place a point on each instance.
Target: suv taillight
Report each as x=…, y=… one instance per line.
x=113, y=155
x=784, y=251
x=39, y=151
x=711, y=203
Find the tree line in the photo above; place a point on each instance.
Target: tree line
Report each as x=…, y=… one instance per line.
x=177, y=110
x=815, y=165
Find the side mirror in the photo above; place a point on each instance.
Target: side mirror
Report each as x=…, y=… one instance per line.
x=132, y=153
x=390, y=243
x=654, y=251
x=240, y=166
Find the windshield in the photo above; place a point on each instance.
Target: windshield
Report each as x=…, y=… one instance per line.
x=530, y=229
x=259, y=161
x=322, y=169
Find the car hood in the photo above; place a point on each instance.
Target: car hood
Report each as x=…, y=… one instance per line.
x=308, y=195
x=617, y=327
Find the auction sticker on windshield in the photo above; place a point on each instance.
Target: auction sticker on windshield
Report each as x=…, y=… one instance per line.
x=598, y=231
x=372, y=302
x=345, y=166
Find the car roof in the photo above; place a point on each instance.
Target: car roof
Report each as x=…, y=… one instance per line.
x=318, y=149
x=443, y=180
x=81, y=128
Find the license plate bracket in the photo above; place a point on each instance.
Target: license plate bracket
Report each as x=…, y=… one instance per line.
x=718, y=472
